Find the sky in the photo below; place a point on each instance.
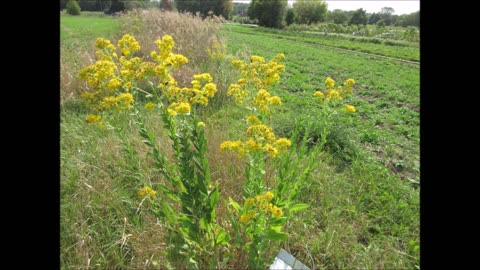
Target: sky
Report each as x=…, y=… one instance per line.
x=400, y=6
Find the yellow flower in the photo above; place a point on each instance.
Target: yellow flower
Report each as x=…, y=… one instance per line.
x=127, y=100
x=201, y=124
x=279, y=57
x=350, y=108
x=146, y=191
x=150, y=105
x=102, y=43
x=256, y=58
x=252, y=146
x=128, y=45
x=183, y=107
x=113, y=84
x=349, y=82
x=92, y=118
x=230, y=145
x=275, y=100
x=319, y=94
x=272, y=151
x=283, y=142
x=249, y=201
x=333, y=94
x=253, y=120
x=269, y=195
x=277, y=212
x=329, y=83
x=107, y=103
x=261, y=133
x=171, y=112
x=211, y=89
x=244, y=218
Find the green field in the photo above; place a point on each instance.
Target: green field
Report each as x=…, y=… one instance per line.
x=387, y=93
x=363, y=193
x=85, y=28
x=396, y=49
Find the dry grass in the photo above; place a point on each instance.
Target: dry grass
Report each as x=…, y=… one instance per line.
x=70, y=64
x=193, y=36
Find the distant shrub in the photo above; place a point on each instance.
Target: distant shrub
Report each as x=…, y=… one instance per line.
x=244, y=20
x=73, y=8
x=297, y=27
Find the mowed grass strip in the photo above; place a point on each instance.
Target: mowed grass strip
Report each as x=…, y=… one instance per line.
x=397, y=49
x=86, y=28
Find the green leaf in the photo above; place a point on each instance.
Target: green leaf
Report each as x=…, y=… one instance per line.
x=222, y=236
x=276, y=236
x=213, y=196
x=234, y=204
x=298, y=207
x=203, y=224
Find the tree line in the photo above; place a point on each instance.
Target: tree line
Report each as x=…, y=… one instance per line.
x=269, y=13
x=277, y=14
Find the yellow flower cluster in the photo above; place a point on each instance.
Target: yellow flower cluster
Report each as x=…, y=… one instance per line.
x=121, y=102
x=336, y=94
x=260, y=138
x=257, y=75
x=128, y=45
x=260, y=204
x=92, y=118
x=111, y=78
x=150, y=105
x=181, y=98
x=106, y=50
x=146, y=191
x=109, y=75
x=350, y=108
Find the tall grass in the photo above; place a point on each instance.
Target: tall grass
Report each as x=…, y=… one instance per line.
x=193, y=36
x=200, y=40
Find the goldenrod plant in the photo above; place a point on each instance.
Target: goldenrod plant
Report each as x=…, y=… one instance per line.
x=183, y=197
x=267, y=206
x=112, y=88
x=332, y=103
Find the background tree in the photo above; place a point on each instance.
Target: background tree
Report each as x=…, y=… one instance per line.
x=88, y=5
x=359, y=17
x=310, y=11
x=166, y=5
x=374, y=18
x=412, y=19
x=269, y=13
x=290, y=16
x=240, y=9
x=103, y=4
x=117, y=6
x=338, y=16
x=73, y=8
x=219, y=7
x=386, y=15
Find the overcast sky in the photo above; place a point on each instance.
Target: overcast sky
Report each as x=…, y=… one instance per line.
x=400, y=6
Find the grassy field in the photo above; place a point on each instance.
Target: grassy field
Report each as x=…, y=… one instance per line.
x=363, y=193
x=397, y=49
